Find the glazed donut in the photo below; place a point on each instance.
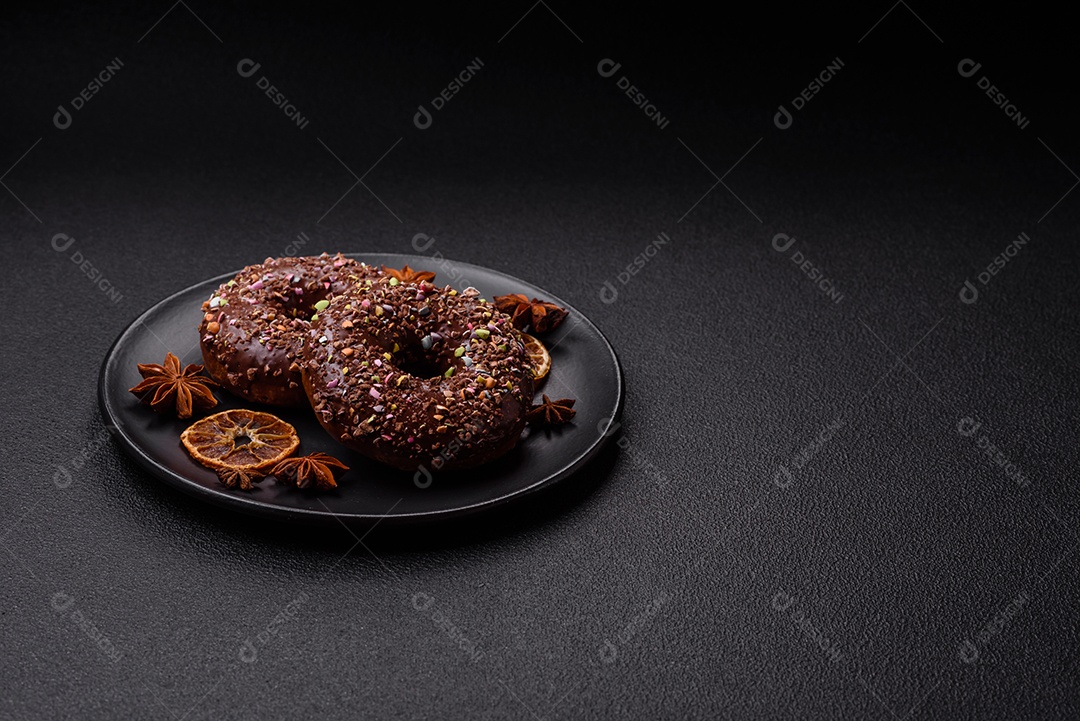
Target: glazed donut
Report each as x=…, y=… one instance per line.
x=412, y=374
x=254, y=326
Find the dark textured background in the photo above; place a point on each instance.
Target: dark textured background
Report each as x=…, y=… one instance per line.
x=678, y=578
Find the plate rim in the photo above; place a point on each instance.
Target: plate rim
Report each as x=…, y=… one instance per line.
x=263, y=509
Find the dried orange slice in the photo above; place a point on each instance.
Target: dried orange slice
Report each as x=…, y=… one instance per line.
x=240, y=439
x=538, y=356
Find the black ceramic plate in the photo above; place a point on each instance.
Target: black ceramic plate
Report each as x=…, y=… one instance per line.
x=584, y=367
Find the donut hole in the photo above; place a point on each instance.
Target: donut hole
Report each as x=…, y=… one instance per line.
x=416, y=363
x=299, y=306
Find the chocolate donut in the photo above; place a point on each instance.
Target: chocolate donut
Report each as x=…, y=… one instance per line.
x=254, y=326
x=412, y=374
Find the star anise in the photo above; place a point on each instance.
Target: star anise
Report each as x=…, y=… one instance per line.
x=174, y=389
x=315, y=469
x=551, y=413
x=408, y=275
x=540, y=314
x=239, y=477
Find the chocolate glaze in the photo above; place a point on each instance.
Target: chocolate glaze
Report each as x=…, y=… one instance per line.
x=375, y=370
x=262, y=316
